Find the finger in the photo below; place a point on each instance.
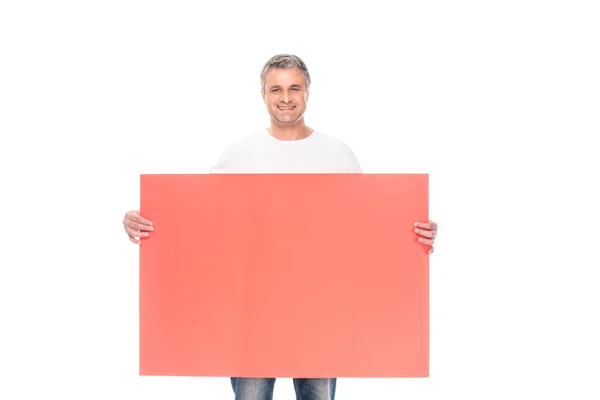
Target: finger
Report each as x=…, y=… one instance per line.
x=426, y=241
x=135, y=216
x=135, y=233
x=430, y=250
x=137, y=226
x=139, y=220
x=134, y=240
x=425, y=233
x=426, y=225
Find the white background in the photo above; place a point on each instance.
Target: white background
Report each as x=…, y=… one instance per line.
x=498, y=101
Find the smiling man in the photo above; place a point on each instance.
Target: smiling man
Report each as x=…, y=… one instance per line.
x=285, y=109
x=287, y=146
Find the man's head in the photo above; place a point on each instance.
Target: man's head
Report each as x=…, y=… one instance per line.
x=285, y=83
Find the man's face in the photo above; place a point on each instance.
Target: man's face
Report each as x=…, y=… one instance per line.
x=285, y=94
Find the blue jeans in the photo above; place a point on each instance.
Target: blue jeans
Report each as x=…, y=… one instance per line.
x=262, y=388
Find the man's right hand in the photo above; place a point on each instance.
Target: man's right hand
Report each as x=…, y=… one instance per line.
x=136, y=226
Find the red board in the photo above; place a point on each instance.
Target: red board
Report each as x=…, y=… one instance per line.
x=284, y=275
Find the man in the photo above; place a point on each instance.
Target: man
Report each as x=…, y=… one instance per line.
x=288, y=146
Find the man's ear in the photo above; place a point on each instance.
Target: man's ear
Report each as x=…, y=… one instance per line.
x=262, y=93
x=306, y=96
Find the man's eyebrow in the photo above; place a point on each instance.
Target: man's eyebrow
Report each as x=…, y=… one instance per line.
x=294, y=85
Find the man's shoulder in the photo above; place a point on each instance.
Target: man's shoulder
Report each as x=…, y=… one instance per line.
x=342, y=150
x=250, y=137
x=332, y=140
x=328, y=137
x=245, y=140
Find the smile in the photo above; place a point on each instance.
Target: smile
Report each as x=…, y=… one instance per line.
x=285, y=108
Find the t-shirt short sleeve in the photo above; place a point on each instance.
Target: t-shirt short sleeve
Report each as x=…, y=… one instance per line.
x=226, y=162
x=352, y=165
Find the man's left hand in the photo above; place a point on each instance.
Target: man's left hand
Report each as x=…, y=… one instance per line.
x=427, y=232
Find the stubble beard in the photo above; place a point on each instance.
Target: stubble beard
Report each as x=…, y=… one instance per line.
x=286, y=122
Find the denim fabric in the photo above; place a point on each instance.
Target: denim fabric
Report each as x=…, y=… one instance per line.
x=262, y=388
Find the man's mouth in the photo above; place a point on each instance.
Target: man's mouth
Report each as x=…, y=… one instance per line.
x=286, y=108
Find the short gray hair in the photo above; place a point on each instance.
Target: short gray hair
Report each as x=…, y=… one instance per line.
x=284, y=61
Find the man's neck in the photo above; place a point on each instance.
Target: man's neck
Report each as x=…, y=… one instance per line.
x=297, y=131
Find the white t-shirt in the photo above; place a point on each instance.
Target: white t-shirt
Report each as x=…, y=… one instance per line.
x=261, y=153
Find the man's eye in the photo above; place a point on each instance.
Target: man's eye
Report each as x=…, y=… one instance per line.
x=295, y=89
x=275, y=90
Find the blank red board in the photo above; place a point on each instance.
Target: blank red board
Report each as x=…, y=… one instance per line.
x=284, y=275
